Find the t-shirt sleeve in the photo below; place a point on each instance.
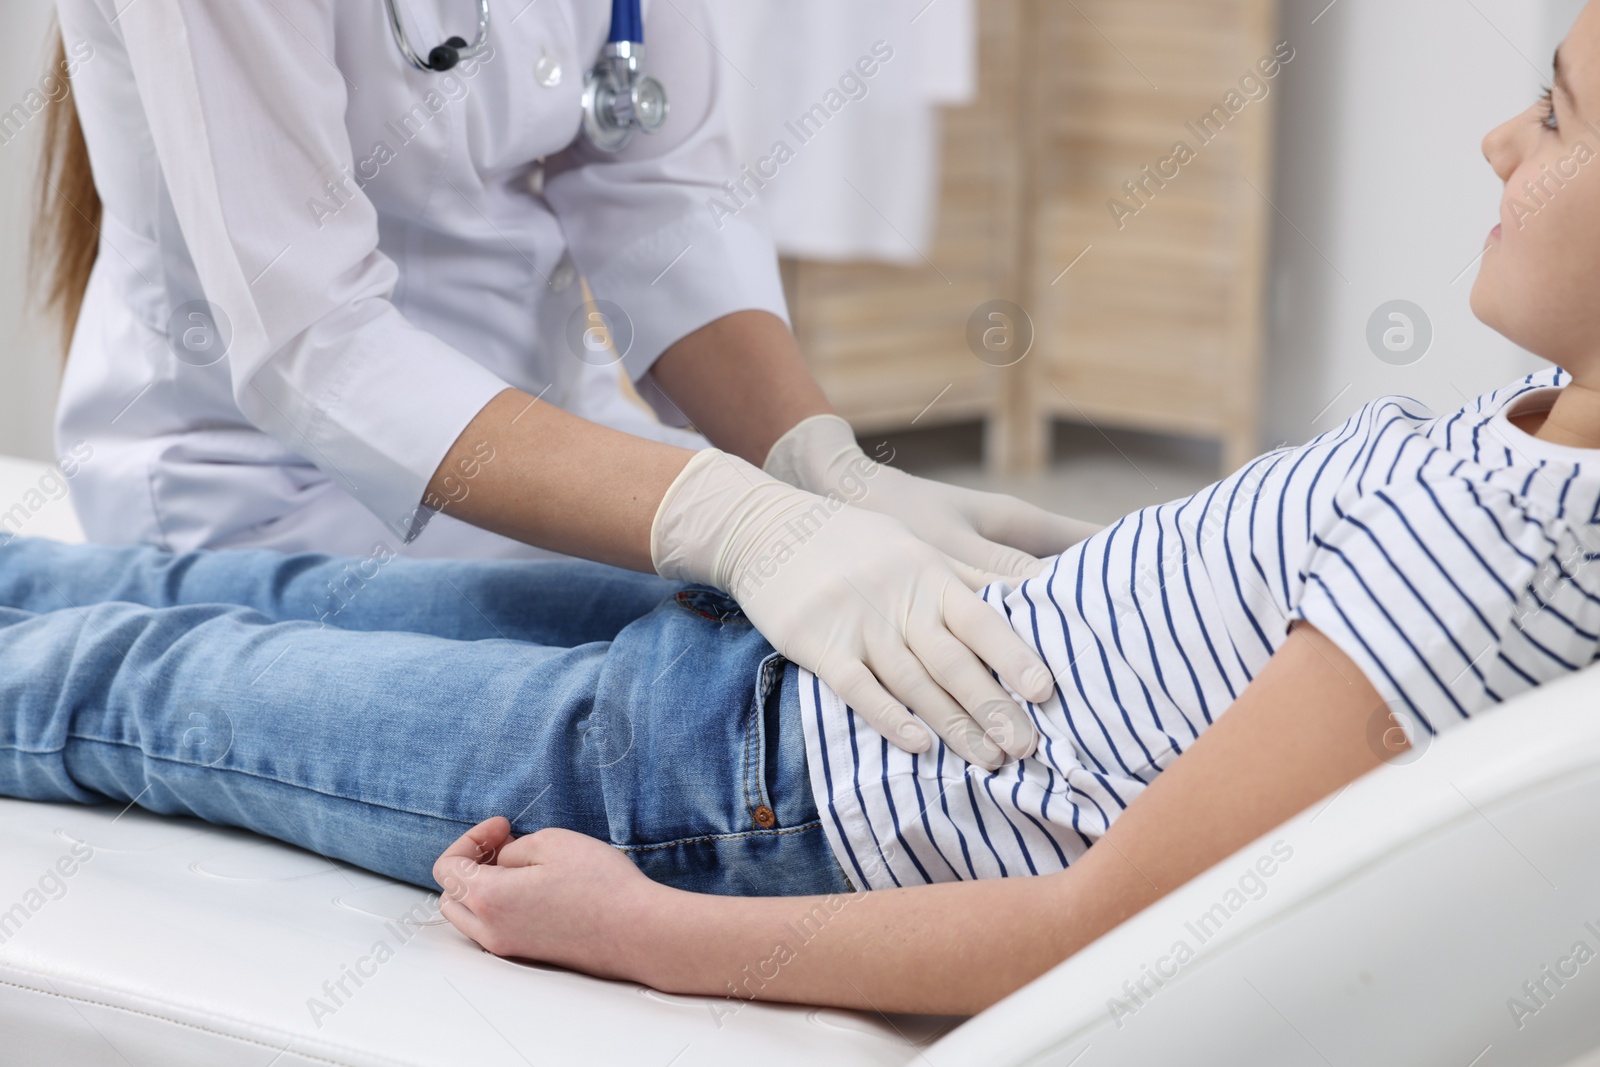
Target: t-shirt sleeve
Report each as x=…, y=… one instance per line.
x=1452, y=595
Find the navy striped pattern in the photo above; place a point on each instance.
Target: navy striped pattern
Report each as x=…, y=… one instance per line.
x=1448, y=556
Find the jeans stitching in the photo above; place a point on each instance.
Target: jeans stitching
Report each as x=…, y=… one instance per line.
x=268, y=778
x=749, y=735
x=815, y=824
x=771, y=674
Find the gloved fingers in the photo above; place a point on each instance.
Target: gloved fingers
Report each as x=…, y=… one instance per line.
x=972, y=577
x=981, y=629
x=965, y=737
x=859, y=688
x=904, y=674
x=1008, y=726
x=974, y=550
x=982, y=738
x=1025, y=527
x=1004, y=726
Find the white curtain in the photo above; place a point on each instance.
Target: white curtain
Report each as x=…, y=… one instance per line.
x=861, y=184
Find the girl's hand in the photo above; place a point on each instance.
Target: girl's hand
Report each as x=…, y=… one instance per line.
x=555, y=895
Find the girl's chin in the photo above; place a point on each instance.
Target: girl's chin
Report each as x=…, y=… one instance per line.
x=1482, y=303
x=1530, y=336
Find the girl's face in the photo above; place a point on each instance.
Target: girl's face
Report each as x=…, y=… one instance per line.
x=1539, y=284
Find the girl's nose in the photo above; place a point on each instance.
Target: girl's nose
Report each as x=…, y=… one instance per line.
x=1502, y=150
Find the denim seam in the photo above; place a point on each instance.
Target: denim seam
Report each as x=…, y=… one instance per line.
x=749, y=736
x=815, y=824
x=755, y=736
x=771, y=680
x=275, y=781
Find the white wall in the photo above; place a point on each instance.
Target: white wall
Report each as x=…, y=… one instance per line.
x=1381, y=173
x=28, y=363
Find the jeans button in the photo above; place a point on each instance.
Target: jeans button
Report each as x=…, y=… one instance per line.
x=764, y=817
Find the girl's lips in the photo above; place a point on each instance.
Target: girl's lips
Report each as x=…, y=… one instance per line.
x=1494, y=234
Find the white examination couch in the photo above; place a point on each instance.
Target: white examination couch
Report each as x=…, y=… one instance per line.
x=1446, y=911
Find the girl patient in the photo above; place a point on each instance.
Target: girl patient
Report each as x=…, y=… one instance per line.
x=637, y=785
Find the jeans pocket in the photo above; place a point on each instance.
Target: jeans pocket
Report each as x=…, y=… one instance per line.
x=716, y=794
x=711, y=604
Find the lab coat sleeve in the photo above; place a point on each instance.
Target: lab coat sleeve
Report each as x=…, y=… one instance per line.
x=657, y=229
x=246, y=111
x=1451, y=596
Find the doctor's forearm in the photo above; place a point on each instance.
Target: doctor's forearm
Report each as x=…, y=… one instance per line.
x=557, y=481
x=742, y=381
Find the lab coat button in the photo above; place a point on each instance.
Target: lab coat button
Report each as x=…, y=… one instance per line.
x=536, y=180
x=548, y=71
x=563, y=277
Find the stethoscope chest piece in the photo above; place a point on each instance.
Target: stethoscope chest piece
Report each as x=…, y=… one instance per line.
x=618, y=100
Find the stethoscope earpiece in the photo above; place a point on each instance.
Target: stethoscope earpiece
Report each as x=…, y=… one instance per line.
x=618, y=98
x=446, y=55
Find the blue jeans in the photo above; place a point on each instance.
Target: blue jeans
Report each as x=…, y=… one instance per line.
x=370, y=710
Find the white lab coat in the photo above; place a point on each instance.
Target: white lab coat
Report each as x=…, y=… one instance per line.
x=381, y=250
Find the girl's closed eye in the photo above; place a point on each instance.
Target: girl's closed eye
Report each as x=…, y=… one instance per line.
x=1547, y=104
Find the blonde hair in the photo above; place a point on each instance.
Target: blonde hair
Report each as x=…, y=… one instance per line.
x=65, y=239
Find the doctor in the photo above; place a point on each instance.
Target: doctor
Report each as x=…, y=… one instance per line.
x=339, y=289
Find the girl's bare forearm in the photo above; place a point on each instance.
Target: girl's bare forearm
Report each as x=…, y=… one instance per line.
x=1296, y=735
x=951, y=949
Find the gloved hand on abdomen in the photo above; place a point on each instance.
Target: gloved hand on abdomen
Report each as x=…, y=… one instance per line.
x=884, y=618
x=990, y=531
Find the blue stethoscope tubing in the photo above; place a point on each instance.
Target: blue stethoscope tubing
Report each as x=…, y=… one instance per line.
x=627, y=22
x=619, y=99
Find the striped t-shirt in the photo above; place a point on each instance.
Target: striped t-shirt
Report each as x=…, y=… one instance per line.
x=1447, y=556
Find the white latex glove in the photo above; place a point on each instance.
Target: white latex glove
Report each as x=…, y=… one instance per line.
x=993, y=532
x=880, y=615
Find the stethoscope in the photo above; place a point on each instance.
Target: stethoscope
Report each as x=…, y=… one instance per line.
x=618, y=98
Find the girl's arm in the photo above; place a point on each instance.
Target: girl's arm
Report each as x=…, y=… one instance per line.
x=1298, y=732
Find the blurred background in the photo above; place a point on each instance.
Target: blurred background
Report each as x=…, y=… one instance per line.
x=999, y=260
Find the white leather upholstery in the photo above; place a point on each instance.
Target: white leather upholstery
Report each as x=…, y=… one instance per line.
x=1414, y=906
x=180, y=943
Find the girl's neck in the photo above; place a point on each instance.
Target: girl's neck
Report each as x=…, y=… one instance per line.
x=1573, y=421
